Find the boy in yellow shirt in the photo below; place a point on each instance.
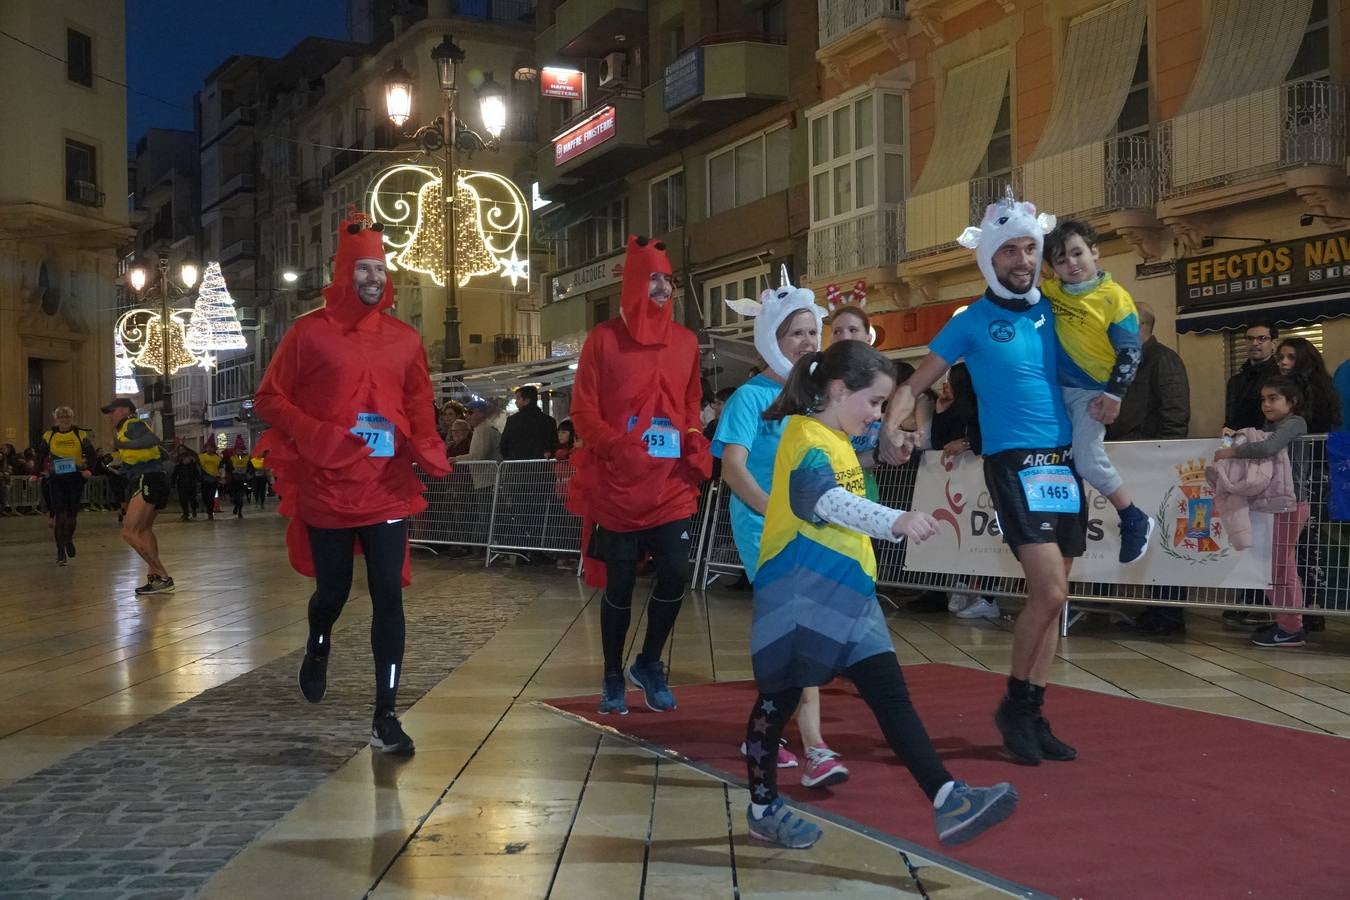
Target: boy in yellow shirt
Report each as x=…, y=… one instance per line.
x=1099, y=349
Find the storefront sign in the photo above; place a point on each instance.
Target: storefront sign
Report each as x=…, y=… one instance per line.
x=683, y=81
x=1275, y=271
x=584, y=136
x=564, y=84
x=1167, y=480
x=601, y=273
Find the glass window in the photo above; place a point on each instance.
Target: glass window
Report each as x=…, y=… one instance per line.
x=841, y=133
x=893, y=119
x=82, y=174
x=862, y=123
x=79, y=58
x=749, y=172
x=667, y=202
x=777, y=160
x=843, y=188
x=893, y=188
x=820, y=141
x=998, y=155
x=1314, y=52
x=1134, y=117
x=865, y=177
x=820, y=194
x=721, y=183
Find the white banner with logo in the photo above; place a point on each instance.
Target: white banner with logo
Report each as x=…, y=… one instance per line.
x=1166, y=479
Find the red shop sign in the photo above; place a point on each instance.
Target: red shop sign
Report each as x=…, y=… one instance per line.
x=584, y=136
x=565, y=84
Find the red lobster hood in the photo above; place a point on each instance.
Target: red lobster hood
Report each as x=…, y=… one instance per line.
x=647, y=322
x=357, y=239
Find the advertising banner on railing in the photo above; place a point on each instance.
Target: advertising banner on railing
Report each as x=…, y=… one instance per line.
x=1166, y=479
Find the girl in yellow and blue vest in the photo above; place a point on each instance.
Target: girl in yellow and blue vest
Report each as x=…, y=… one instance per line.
x=66, y=459
x=209, y=460
x=815, y=610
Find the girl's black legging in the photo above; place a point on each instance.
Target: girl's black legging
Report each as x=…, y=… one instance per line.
x=384, y=546
x=237, y=486
x=882, y=686
x=187, y=498
x=64, y=494
x=260, y=491
x=209, y=496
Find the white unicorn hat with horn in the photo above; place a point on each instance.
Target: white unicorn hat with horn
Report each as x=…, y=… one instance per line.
x=774, y=307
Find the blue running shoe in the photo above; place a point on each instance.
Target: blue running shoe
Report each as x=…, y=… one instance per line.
x=971, y=811
x=1136, y=530
x=779, y=825
x=612, y=700
x=650, y=675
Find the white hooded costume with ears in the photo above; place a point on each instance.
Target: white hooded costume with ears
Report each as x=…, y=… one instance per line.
x=1003, y=221
x=774, y=307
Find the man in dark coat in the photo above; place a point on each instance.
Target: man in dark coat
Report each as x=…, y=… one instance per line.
x=1242, y=408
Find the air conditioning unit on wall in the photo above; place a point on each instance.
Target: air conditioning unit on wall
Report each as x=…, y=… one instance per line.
x=614, y=70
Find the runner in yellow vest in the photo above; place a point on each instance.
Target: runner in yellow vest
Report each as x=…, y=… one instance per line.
x=65, y=459
x=260, y=481
x=138, y=449
x=210, y=461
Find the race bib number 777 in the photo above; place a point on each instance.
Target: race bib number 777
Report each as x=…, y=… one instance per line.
x=377, y=432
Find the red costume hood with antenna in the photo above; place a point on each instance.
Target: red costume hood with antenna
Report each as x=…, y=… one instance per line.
x=635, y=368
x=343, y=360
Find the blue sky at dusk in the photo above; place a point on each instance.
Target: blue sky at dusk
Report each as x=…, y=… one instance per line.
x=172, y=45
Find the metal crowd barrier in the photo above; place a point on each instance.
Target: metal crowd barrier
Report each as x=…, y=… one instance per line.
x=21, y=494
x=517, y=507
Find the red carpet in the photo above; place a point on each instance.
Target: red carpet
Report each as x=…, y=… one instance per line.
x=1161, y=802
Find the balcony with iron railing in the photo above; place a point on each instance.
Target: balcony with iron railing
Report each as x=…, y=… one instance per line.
x=512, y=348
x=871, y=240
x=935, y=218
x=1292, y=125
x=842, y=18
x=1104, y=176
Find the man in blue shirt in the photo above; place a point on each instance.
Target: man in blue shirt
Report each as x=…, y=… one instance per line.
x=1007, y=339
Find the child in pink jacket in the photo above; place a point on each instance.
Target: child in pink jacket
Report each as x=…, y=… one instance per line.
x=1282, y=401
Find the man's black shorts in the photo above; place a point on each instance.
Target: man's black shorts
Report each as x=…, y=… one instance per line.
x=1019, y=524
x=668, y=540
x=153, y=487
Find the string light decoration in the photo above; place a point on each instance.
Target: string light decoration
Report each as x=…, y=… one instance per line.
x=214, y=325
x=492, y=224
x=123, y=370
x=143, y=335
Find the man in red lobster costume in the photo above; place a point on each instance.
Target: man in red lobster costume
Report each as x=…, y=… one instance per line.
x=349, y=402
x=636, y=410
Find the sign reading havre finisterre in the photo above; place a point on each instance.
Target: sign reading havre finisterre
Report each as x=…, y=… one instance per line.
x=1287, y=269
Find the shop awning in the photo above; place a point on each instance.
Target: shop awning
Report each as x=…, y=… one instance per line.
x=1283, y=313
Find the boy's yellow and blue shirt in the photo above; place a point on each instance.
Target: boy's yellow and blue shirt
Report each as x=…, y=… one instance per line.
x=1094, y=326
x=816, y=610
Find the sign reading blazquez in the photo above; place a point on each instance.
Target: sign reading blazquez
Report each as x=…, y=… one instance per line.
x=583, y=136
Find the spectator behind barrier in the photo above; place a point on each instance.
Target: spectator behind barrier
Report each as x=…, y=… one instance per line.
x=1300, y=360
x=531, y=433
x=1242, y=406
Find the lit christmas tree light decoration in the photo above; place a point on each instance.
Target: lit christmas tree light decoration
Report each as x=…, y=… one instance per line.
x=214, y=325
x=123, y=370
x=491, y=224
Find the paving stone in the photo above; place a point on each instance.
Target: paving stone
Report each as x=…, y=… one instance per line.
x=228, y=765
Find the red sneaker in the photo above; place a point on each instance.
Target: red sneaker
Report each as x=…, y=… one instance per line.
x=823, y=768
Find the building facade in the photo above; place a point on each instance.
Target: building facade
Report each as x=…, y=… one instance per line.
x=1204, y=139
x=63, y=210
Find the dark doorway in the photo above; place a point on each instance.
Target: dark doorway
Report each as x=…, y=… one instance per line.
x=36, y=417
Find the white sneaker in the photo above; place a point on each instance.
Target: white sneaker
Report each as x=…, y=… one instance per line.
x=957, y=600
x=980, y=608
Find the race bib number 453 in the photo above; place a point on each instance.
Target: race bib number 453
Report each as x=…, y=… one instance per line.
x=662, y=438
x=1050, y=489
x=377, y=432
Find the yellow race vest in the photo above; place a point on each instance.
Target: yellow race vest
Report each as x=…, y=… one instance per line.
x=66, y=444
x=259, y=464
x=133, y=457
x=210, y=463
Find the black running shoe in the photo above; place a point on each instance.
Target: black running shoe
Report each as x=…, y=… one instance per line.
x=149, y=587
x=70, y=549
x=1017, y=723
x=388, y=736
x=1052, y=748
x=158, y=586
x=313, y=676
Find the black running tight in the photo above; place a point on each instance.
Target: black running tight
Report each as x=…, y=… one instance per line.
x=64, y=494
x=384, y=546
x=882, y=686
x=669, y=548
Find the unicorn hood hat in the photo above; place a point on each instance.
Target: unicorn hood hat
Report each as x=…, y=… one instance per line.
x=1003, y=221
x=774, y=307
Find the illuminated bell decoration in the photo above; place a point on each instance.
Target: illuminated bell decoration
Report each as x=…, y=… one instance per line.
x=426, y=251
x=492, y=225
x=143, y=335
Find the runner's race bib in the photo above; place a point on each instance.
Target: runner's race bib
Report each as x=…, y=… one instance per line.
x=662, y=437
x=1050, y=489
x=377, y=432
x=868, y=440
x=62, y=465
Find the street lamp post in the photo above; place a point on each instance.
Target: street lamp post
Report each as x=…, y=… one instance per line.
x=188, y=275
x=447, y=133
